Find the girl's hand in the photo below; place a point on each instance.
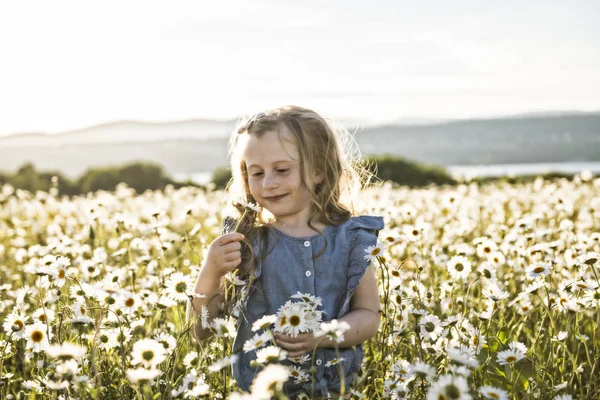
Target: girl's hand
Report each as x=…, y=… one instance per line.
x=299, y=345
x=224, y=254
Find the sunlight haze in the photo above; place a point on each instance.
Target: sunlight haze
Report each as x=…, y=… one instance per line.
x=70, y=64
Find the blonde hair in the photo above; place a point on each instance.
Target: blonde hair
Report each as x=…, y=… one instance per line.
x=331, y=154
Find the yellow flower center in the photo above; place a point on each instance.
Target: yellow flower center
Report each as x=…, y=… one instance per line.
x=37, y=336
x=148, y=355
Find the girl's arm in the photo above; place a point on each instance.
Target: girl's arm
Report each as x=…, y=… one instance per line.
x=208, y=285
x=222, y=257
x=363, y=319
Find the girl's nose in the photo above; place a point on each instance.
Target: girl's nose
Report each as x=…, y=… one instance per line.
x=270, y=181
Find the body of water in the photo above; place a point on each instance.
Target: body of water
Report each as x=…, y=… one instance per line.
x=522, y=169
x=200, y=178
x=467, y=170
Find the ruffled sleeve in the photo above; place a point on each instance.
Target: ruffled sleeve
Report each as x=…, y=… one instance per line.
x=362, y=233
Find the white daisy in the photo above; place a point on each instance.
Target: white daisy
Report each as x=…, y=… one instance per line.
x=431, y=327
x=142, y=375
x=14, y=324
x=372, y=252
x=37, y=337
x=264, y=322
x=590, y=258
x=518, y=346
x=490, y=392
x=423, y=370
x=463, y=355
x=538, y=269
x=333, y=330
x=107, y=338
x=179, y=287
x=129, y=302
x=223, y=363
x=258, y=341
x=496, y=258
x=449, y=387
x=303, y=359
x=459, y=267
x=314, y=301
x=270, y=354
x=269, y=382
x=334, y=361
x=191, y=360
x=292, y=320
x=476, y=340
x=247, y=204
x=298, y=374
x=563, y=397
x=509, y=356
x=66, y=351
x=168, y=341
x=147, y=352
x=80, y=310
x=535, y=285
x=494, y=292
x=58, y=271
x=486, y=248
x=32, y=385
x=43, y=315
x=223, y=327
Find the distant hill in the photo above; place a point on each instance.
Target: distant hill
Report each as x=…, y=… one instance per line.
x=126, y=131
x=201, y=145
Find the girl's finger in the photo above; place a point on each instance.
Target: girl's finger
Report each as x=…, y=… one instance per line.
x=296, y=353
x=231, y=246
x=230, y=237
x=288, y=338
x=234, y=263
x=291, y=346
x=234, y=255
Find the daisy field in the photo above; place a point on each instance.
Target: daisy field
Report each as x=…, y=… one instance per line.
x=488, y=291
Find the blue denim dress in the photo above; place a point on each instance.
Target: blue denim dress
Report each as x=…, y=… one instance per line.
x=291, y=267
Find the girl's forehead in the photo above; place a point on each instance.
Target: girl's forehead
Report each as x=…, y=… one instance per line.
x=270, y=148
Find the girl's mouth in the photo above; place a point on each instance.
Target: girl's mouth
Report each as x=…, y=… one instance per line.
x=275, y=198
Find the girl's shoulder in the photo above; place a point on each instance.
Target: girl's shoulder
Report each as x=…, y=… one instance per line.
x=366, y=222
x=362, y=228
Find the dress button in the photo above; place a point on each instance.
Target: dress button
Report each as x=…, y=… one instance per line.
x=308, y=273
x=306, y=244
x=319, y=362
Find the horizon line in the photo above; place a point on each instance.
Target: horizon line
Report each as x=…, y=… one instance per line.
x=399, y=121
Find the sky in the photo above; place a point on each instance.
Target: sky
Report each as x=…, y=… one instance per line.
x=72, y=64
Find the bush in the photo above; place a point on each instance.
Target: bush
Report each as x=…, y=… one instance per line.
x=404, y=172
x=94, y=179
x=221, y=177
x=138, y=176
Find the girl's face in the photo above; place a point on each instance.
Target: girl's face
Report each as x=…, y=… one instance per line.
x=273, y=164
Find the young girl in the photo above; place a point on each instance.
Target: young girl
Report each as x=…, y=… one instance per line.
x=299, y=237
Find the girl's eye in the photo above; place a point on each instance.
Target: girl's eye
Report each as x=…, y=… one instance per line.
x=257, y=174
x=282, y=170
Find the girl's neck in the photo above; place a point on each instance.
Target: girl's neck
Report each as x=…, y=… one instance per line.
x=298, y=229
